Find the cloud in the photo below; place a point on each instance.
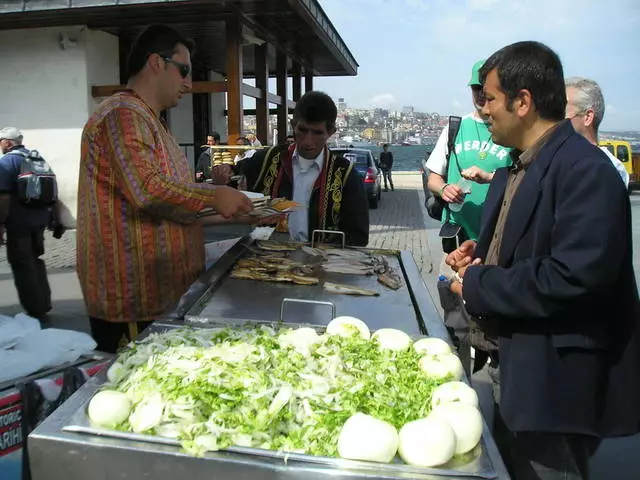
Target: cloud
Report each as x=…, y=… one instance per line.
x=419, y=4
x=482, y=5
x=382, y=100
x=610, y=109
x=425, y=55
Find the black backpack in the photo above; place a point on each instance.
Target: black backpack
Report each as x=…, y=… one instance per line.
x=36, y=184
x=435, y=204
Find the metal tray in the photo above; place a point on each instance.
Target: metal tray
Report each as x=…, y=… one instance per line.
x=480, y=466
x=236, y=300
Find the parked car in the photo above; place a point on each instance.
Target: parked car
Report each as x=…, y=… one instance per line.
x=425, y=176
x=368, y=170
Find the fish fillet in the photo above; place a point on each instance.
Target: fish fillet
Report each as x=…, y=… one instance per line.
x=348, y=290
x=348, y=269
x=277, y=246
x=286, y=277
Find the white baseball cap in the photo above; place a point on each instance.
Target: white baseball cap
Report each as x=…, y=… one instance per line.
x=11, y=133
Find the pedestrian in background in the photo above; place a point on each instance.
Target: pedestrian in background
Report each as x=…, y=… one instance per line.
x=24, y=225
x=386, y=164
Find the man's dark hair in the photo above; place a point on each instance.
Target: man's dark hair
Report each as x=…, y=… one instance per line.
x=215, y=135
x=314, y=107
x=530, y=66
x=160, y=39
x=385, y=145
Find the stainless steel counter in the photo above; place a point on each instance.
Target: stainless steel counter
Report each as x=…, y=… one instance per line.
x=57, y=454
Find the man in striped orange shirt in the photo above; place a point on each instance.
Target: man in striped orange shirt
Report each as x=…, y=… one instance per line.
x=139, y=244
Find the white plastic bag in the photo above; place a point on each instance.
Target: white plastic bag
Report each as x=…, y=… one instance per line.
x=55, y=346
x=13, y=329
x=17, y=364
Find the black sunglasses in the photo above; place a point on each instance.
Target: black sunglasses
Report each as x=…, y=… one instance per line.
x=183, y=68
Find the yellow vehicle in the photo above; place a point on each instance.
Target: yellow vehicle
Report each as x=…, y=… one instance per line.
x=631, y=161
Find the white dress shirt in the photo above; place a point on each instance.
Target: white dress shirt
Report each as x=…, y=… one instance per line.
x=305, y=174
x=619, y=166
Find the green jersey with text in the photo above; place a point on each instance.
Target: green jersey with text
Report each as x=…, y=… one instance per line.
x=473, y=146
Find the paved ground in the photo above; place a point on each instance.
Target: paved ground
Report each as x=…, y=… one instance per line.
x=400, y=223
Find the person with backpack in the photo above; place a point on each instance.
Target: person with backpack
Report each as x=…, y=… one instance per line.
x=27, y=193
x=464, y=149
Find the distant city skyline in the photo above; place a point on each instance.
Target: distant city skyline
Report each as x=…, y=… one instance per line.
x=419, y=52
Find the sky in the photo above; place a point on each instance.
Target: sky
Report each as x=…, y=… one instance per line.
x=420, y=52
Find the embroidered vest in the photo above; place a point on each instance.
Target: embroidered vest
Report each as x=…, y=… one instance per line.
x=276, y=178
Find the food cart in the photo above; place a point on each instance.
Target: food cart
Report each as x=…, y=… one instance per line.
x=66, y=446
x=26, y=400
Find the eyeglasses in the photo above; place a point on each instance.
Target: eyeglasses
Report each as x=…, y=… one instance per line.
x=579, y=113
x=183, y=68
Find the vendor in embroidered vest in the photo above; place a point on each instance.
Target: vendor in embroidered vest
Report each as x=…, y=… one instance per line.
x=326, y=184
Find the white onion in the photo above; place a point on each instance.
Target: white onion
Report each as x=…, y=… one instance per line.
x=440, y=367
x=109, y=408
x=392, y=339
x=348, y=326
x=427, y=442
x=466, y=422
x=454, y=392
x=364, y=437
x=431, y=346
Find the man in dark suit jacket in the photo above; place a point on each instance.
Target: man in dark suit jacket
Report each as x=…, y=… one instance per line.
x=552, y=277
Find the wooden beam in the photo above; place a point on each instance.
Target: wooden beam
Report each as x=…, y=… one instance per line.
x=252, y=111
x=273, y=98
x=308, y=80
x=251, y=91
x=281, y=83
x=98, y=91
x=233, y=30
x=262, y=103
x=208, y=87
x=296, y=81
x=201, y=112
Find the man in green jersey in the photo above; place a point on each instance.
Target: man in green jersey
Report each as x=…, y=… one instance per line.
x=473, y=148
x=474, y=156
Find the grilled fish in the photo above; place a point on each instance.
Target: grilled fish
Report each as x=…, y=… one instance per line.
x=300, y=279
x=387, y=276
x=277, y=246
x=347, y=268
x=390, y=279
x=348, y=254
x=314, y=252
x=274, y=264
x=267, y=254
x=250, y=274
x=348, y=290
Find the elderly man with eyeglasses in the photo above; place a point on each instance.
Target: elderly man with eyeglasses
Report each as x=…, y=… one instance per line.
x=585, y=109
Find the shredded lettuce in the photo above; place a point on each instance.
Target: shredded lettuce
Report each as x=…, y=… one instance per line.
x=221, y=387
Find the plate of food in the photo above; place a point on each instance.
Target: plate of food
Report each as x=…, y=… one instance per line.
x=253, y=195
